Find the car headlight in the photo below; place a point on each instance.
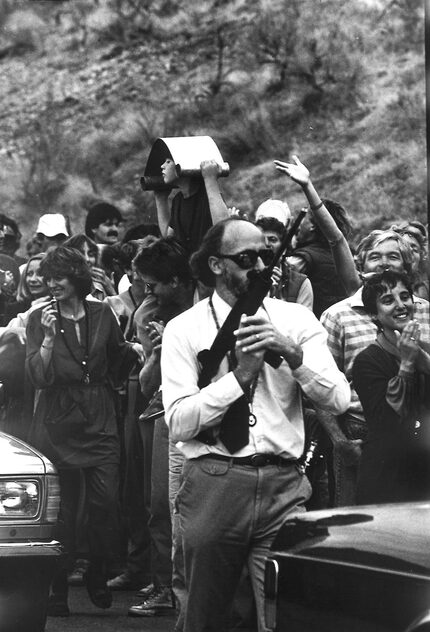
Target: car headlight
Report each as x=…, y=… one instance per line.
x=19, y=498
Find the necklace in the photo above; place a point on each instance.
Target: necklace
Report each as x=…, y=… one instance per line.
x=85, y=379
x=250, y=392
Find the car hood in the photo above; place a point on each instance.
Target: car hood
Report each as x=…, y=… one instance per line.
x=393, y=537
x=17, y=458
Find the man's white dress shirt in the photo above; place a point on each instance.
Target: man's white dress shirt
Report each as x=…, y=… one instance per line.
x=276, y=403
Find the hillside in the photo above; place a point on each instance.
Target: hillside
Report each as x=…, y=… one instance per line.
x=88, y=85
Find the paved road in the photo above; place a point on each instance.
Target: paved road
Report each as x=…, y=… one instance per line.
x=87, y=618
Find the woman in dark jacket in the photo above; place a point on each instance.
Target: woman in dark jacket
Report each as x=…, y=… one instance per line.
x=391, y=377
x=75, y=351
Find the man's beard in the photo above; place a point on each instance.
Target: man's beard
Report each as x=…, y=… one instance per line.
x=236, y=286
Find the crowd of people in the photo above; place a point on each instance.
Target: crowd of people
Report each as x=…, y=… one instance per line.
x=199, y=380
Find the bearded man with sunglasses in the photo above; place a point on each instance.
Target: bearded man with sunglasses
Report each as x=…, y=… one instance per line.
x=238, y=490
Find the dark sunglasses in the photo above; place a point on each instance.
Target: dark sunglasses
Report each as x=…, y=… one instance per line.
x=248, y=258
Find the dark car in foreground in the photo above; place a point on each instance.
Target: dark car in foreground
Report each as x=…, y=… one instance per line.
x=356, y=569
x=29, y=501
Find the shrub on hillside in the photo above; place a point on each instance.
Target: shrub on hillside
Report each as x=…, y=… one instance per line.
x=7, y=7
x=106, y=24
x=74, y=199
x=401, y=25
x=249, y=133
x=46, y=157
x=102, y=151
x=120, y=20
x=94, y=158
x=406, y=115
x=25, y=31
x=316, y=49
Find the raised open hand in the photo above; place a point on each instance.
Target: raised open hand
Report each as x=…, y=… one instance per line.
x=296, y=171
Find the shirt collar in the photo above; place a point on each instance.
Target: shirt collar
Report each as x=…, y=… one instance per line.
x=222, y=309
x=356, y=300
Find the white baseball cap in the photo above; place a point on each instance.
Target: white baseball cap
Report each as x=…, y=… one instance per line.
x=52, y=224
x=274, y=208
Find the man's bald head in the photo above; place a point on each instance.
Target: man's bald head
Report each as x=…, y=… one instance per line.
x=226, y=233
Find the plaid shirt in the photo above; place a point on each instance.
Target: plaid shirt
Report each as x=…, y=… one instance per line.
x=350, y=330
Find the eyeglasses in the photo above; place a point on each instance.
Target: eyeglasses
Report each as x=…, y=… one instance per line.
x=150, y=287
x=248, y=258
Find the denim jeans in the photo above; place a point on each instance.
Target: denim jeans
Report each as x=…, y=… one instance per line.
x=176, y=463
x=160, y=525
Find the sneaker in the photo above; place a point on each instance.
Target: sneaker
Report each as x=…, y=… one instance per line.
x=123, y=582
x=76, y=576
x=159, y=601
x=144, y=592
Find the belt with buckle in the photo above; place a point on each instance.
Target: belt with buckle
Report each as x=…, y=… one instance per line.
x=255, y=460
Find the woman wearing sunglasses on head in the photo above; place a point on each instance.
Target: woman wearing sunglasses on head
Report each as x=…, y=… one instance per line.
x=75, y=351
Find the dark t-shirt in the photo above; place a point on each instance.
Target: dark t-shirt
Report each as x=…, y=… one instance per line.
x=191, y=218
x=321, y=271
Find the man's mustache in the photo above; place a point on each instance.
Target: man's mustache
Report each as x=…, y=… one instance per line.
x=112, y=233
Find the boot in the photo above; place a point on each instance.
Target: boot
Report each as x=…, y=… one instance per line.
x=57, y=604
x=95, y=579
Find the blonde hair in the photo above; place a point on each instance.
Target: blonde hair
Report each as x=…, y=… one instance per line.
x=23, y=293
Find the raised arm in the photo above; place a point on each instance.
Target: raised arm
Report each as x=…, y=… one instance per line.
x=163, y=212
x=342, y=255
x=210, y=171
